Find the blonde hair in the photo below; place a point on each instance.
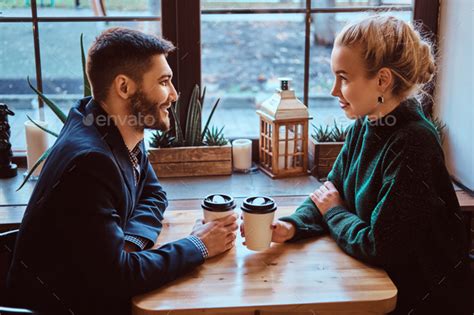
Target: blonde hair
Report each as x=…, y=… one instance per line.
x=387, y=41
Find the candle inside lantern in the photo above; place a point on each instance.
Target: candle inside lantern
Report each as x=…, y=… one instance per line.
x=242, y=154
x=282, y=149
x=36, y=144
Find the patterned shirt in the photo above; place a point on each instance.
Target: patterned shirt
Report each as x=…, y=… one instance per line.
x=137, y=240
x=200, y=245
x=135, y=155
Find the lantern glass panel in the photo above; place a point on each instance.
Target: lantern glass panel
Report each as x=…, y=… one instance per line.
x=266, y=143
x=300, y=131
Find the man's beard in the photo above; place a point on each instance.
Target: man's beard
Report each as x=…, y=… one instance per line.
x=146, y=113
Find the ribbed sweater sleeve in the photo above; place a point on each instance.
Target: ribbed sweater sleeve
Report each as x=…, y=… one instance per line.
x=307, y=220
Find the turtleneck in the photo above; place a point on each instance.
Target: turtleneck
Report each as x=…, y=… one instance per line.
x=407, y=111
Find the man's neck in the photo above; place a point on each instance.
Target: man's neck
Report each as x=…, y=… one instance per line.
x=131, y=136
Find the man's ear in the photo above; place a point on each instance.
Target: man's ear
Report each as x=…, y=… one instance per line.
x=385, y=79
x=124, y=86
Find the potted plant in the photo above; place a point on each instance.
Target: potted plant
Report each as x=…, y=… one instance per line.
x=192, y=151
x=326, y=143
x=57, y=111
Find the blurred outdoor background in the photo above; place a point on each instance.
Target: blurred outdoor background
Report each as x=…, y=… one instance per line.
x=243, y=55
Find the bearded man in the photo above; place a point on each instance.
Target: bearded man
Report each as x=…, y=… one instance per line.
x=86, y=242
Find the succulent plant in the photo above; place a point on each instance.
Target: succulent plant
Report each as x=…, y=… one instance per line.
x=162, y=139
x=339, y=133
x=326, y=134
x=215, y=137
x=321, y=134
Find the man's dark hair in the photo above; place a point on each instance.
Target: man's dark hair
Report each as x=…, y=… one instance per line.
x=121, y=51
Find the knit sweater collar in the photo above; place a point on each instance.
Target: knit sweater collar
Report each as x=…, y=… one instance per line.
x=408, y=110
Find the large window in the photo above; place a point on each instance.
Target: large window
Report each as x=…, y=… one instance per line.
x=245, y=46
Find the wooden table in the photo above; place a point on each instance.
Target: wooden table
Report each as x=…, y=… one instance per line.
x=308, y=277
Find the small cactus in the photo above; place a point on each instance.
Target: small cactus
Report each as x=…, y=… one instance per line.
x=215, y=137
x=339, y=133
x=162, y=139
x=327, y=134
x=321, y=134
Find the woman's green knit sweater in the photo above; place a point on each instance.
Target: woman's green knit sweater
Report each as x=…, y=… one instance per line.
x=401, y=212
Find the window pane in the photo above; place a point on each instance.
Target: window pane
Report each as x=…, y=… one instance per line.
x=12, y=8
x=249, y=4
x=397, y=2
x=323, y=107
x=356, y=3
x=17, y=61
x=98, y=7
x=61, y=55
x=242, y=58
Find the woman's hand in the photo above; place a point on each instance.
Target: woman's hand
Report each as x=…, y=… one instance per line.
x=326, y=197
x=282, y=231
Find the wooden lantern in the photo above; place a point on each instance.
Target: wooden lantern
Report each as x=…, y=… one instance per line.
x=283, y=144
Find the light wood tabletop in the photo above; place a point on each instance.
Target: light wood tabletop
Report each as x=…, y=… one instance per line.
x=308, y=277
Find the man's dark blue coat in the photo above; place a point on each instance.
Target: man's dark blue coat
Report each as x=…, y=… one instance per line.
x=69, y=254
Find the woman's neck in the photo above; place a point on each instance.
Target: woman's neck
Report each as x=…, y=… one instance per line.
x=381, y=110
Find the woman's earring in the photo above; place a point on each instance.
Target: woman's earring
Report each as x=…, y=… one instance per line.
x=380, y=99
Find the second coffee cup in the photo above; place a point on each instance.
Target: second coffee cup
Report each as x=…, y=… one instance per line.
x=217, y=206
x=258, y=214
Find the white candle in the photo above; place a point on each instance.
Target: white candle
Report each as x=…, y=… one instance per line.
x=282, y=149
x=36, y=144
x=242, y=154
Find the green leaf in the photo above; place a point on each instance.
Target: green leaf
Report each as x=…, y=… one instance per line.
x=215, y=137
x=322, y=134
x=203, y=96
x=179, y=131
x=196, y=127
x=220, y=131
x=162, y=139
x=177, y=105
x=210, y=117
x=42, y=128
x=41, y=159
x=87, y=86
x=192, y=111
x=191, y=130
x=59, y=113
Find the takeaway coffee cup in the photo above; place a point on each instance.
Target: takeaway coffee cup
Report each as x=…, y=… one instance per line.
x=258, y=213
x=217, y=206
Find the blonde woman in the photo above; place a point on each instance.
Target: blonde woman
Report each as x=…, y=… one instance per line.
x=389, y=200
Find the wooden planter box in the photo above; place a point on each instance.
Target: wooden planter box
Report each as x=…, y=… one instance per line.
x=191, y=161
x=322, y=157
